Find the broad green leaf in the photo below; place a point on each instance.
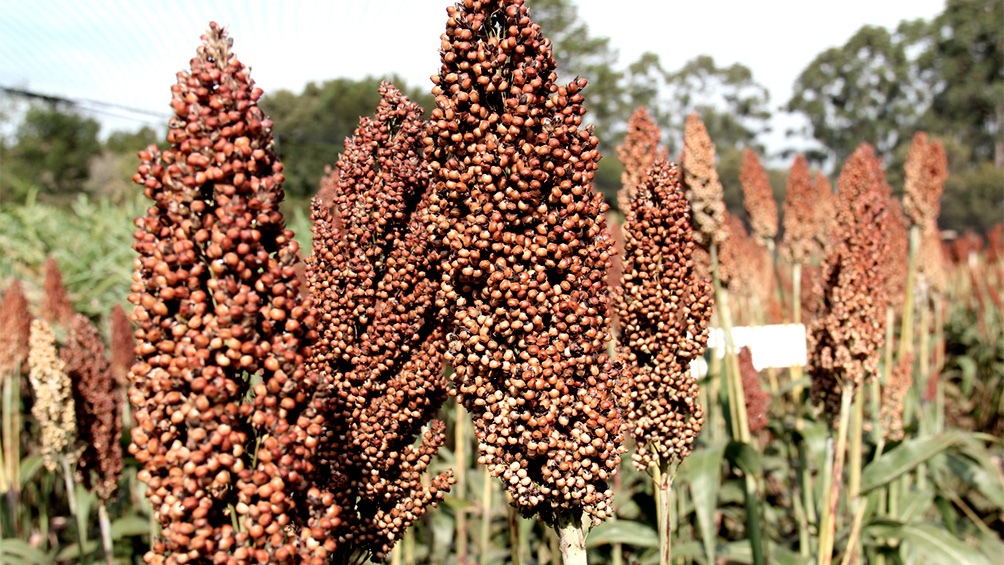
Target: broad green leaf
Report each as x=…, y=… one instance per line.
x=927, y=543
x=18, y=552
x=906, y=457
x=634, y=534
x=745, y=457
x=704, y=471
x=129, y=526
x=914, y=505
x=967, y=365
x=72, y=552
x=30, y=465
x=457, y=503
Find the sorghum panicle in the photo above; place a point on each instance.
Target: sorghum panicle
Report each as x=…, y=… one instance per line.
x=53, y=407
x=845, y=341
x=801, y=216
x=701, y=184
x=123, y=345
x=893, y=396
x=98, y=407
x=15, y=329
x=379, y=348
x=757, y=401
x=897, y=269
x=637, y=153
x=525, y=256
x=664, y=309
x=926, y=170
x=56, y=308
x=222, y=328
x=758, y=198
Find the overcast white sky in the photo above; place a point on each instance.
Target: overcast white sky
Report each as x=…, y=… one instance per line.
x=126, y=52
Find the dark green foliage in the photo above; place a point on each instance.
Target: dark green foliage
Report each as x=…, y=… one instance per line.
x=52, y=149
x=311, y=127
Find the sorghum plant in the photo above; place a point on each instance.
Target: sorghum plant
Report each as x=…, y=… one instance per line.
x=801, y=228
x=758, y=198
x=56, y=308
x=701, y=184
x=663, y=308
x=845, y=341
x=15, y=329
x=98, y=407
x=757, y=401
x=53, y=403
x=123, y=345
x=222, y=330
x=525, y=251
x=639, y=151
x=378, y=355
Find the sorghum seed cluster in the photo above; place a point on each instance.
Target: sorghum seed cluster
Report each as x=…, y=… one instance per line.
x=15, y=329
x=53, y=407
x=222, y=330
x=701, y=184
x=664, y=309
x=637, y=153
x=757, y=401
x=758, y=198
x=800, y=242
x=525, y=252
x=56, y=308
x=847, y=337
x=98, y=407
x=379, y=352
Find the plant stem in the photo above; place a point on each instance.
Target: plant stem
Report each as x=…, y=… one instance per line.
x=854, y=480
x=906, y=332
x=571, y=540
x=460, y=473
x=753, y=520
x=832, y=481
x=486, y=516
x=662, y=480
x=11, y=437
x=106, y=533
x=515, y=539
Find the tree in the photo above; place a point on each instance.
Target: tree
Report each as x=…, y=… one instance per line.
x=311, y=127
x=53, y=148
x=863, y=91
x=733, y=106
x=132, y=142
x=965, y=63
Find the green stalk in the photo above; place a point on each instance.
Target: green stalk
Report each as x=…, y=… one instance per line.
x=832, y=482
x=906, y=333
x=106, y=533
x=856, y=464
x=11, y=438
x=486, y=516
x=460, y=473
x=662, y=481
x=737, y=401
x=753, y=520
x=571, y=540
x=515, y=539
x=798, y=504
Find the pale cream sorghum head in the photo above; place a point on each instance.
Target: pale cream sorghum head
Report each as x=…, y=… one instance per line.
x=53, y=407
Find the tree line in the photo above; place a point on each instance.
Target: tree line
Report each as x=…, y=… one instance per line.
x=945, y=76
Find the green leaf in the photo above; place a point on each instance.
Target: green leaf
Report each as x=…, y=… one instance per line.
x=927, y=543
x=906, y=457
x=745, y=457
x=703, y=468
x=17, y=552
x=73, y=551
x=30, y=465
x=914, y=505
x=634, y=534
x=130, y=526
x=457, y=503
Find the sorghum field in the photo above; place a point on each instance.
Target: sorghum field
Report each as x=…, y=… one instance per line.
x=461, y=354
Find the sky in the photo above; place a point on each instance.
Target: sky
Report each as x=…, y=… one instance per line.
x=121, y=54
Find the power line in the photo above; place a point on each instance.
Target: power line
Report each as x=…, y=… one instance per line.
x=96, y=106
